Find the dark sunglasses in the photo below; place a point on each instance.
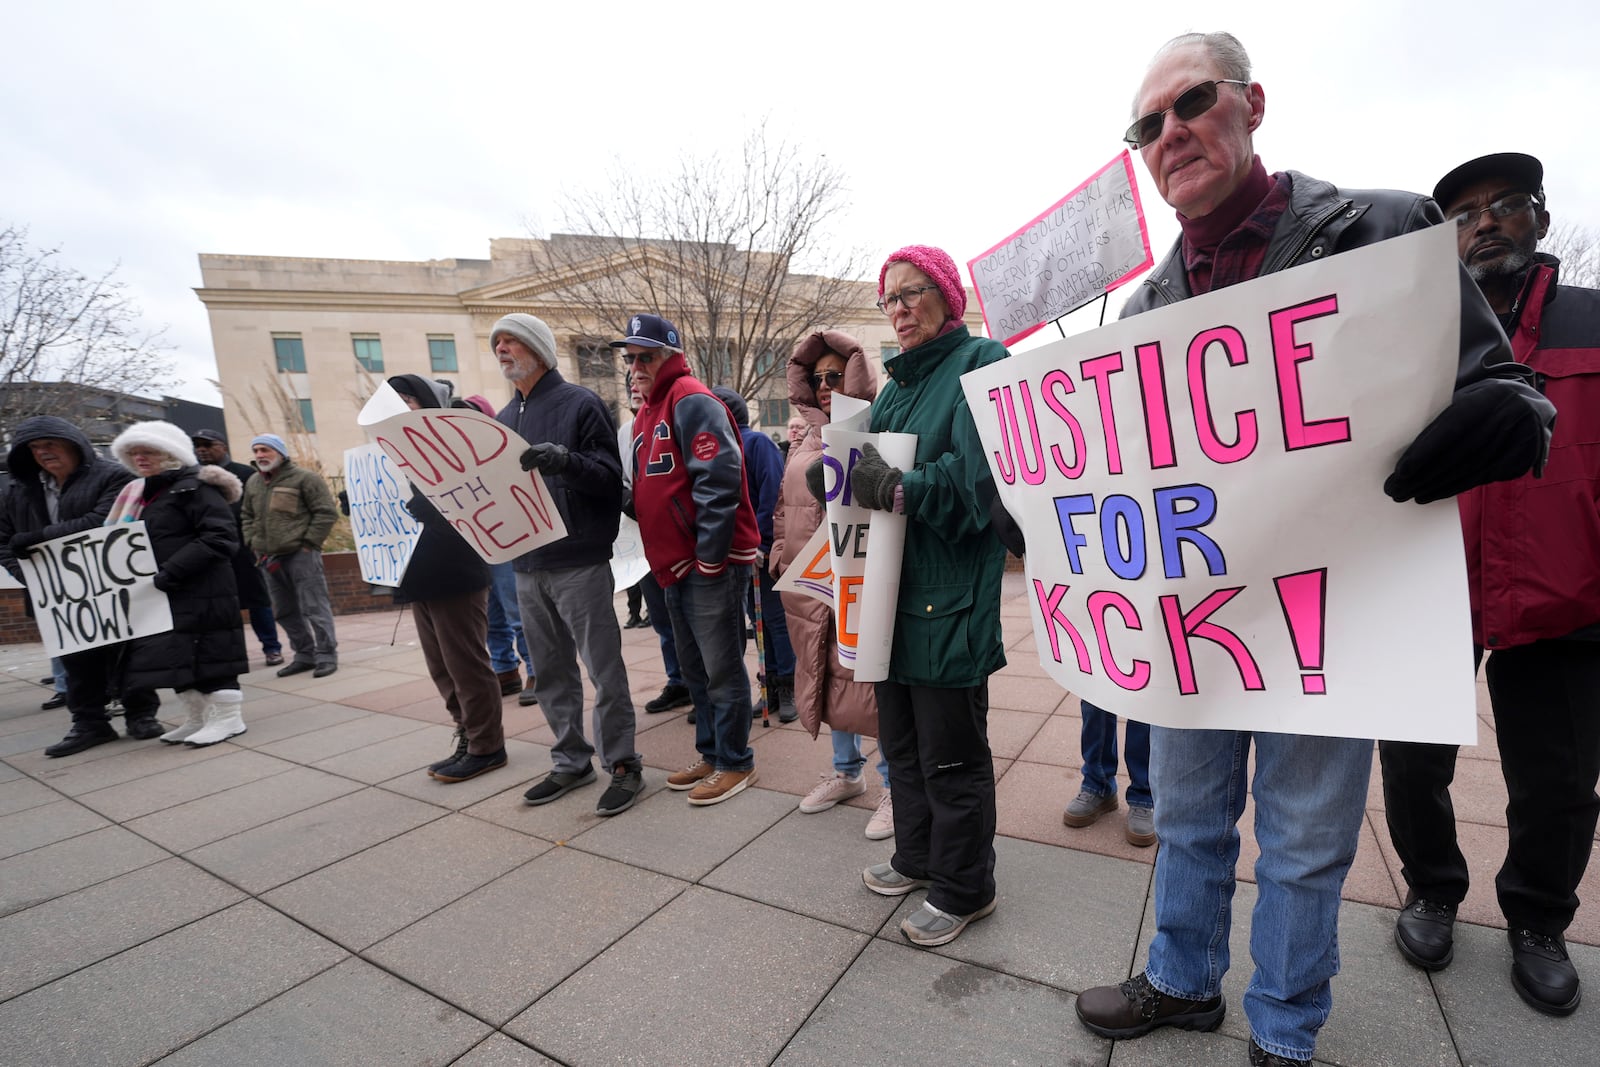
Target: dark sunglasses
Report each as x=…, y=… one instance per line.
x=1191, y=104
x=644, y=359
x=832, y=377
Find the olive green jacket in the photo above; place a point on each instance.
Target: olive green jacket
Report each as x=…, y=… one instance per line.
x=287, y=510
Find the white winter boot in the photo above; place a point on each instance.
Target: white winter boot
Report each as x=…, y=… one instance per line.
x=223, y=718
x=195, y=702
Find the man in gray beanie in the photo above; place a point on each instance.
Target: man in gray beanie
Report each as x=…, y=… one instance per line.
x=287, y=514
x=565, y=589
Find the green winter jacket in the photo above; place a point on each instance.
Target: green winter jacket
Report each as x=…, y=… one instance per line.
x=947, y=628
x=287, y=510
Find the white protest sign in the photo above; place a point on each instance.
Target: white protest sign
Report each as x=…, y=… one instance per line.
x=1200, y=486
x=810, y=573
x=466, y=464
x=94, y=588
x=8, y=582
x=1076, y=250
x=866, y=583
x=628, y=564
x=385, y=533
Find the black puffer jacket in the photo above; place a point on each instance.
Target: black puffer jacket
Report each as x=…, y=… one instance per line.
x=193, y=535
x=442, y=565
x=86, y=498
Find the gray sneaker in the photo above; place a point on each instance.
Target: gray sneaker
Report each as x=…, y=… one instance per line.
x=928, y=927
x=1141, y=831
x=558, y=784
x=1087, y=807
x=885, y=881
x=626, y=785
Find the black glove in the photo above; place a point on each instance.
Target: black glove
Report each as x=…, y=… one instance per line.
x=22, y=543
x=549, y=458
x=344, y=501
x=1006, y=528
x=164, y=582
x=873, y=480
x=1489, y=433
x=627, y=503
x=815, y=483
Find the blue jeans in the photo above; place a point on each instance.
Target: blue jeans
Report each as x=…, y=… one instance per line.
x=58, y=671
x=708, y=625
x=266, y=629
x=661, y=623
x=1100, y=756
x=1310, y=798
x=848, y=760
x=506, y=641
x=774, y=628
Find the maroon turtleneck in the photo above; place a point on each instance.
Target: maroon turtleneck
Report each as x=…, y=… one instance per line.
x=1229, y=245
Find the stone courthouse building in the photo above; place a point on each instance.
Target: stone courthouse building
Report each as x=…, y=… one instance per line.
x=301, y=343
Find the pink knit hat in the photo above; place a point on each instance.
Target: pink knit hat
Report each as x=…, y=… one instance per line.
x=940, y=269
x=482, y=404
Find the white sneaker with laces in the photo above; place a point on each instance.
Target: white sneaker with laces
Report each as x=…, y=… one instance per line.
x=831, y=790
x=881, y=825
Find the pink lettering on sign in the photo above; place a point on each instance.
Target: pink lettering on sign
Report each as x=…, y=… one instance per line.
x=1305, y=608
x=1288, y=355
x=1182, y=625
x=1050, y=608
x=1100, y=604
x=1244, y=423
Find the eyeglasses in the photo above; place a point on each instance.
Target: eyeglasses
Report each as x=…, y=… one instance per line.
x=644, y=359
x=832, y=377
x=908, y=297
x=1191, y=104
x=1503, y=208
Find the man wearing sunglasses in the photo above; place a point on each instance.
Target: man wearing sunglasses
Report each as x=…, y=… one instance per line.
x=1533, y=568
x=701, y=539
x=1196, y=114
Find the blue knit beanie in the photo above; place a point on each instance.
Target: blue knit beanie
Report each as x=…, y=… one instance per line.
x=271, y=440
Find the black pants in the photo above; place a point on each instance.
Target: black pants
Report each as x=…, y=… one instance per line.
x=635, y=597
x=93, y=674
x=1546, y=699
x=941, y=778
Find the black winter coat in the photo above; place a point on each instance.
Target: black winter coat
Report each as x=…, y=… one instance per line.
x=86, y=498
x=194, y=536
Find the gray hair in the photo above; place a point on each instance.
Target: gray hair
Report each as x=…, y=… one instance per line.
x=1223, y=47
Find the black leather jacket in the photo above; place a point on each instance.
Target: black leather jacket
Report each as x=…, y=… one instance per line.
x=1322, y=220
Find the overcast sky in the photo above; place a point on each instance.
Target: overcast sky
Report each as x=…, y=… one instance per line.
x=142, y=135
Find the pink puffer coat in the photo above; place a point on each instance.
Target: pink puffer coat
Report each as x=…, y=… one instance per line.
x=824, y=692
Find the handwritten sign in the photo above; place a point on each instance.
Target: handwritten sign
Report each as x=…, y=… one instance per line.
x=628, y=563
x=1200, y=488
x=385, y=533
x=811, y=572
x=1077, y=250
x=94, y=588
x=466, y=464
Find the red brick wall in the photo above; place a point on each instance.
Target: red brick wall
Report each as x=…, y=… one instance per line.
x=349, y=593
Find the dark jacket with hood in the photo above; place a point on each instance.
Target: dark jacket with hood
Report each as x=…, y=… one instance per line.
x=588, y=494
x=86, y=498
x=194, y=536
x=442, y=565
x=763, y=464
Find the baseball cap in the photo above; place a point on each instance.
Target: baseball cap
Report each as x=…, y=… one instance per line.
x=1524, y=172
x=651, y=331
x=209, y=435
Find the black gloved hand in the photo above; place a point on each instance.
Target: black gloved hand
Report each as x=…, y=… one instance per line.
x=627, y=503
x=873, y=481
x=1006, y=528
x=816, y=484
x=163, y=581
x=1489, y=433
x=548, y=457
x=344, y=502
x=22, y=543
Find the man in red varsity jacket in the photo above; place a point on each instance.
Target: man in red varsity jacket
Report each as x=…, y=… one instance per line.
x=701, y=539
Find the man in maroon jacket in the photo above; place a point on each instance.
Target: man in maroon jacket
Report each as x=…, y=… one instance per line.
x=701, y=539
x=1533, y=563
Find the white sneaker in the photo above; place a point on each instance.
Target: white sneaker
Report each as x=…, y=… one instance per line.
x=832, y=789
x=881, y=825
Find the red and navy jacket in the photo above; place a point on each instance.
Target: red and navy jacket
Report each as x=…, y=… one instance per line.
x=688, y=479
x=1533, y=544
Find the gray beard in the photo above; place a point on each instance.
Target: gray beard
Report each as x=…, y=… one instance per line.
x=1509, y=265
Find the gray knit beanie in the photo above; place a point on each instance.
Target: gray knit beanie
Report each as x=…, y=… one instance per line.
x=532, y=332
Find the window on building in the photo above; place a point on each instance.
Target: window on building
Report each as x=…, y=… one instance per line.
x=291, y=352
x=596, y=362
x=774, y=414
x=766, y=361
x=369, y=350
x=887, y=351
x=308, y=418
x=442, y=353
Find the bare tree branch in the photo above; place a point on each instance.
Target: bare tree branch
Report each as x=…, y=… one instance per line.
x=1578, y=249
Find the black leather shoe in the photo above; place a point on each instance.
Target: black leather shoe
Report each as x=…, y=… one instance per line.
x=296, y=668
x=323, y=671
x=59, y=700
x=460, y=753
x=672, y=696
x=1424, y=932
x=144, y=729
x=1260, y=1057
x=470, y=766
x=1542, y=972
x=81, y=737
x=1136, y=1007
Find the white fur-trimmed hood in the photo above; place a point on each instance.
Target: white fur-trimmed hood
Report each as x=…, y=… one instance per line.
x=223, y=480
